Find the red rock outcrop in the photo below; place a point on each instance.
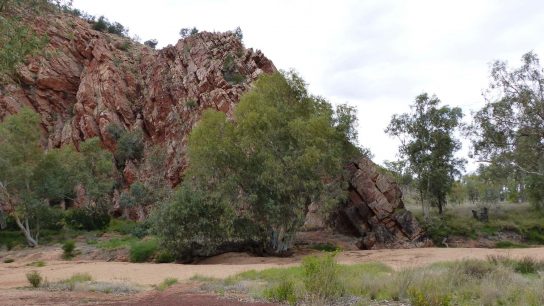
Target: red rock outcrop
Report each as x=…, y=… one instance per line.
x=87, y=80
x=375, y=211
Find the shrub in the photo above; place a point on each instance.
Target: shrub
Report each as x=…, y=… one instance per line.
x=142, y=251
x=34, y=278
x=9, y=260
x=68, y=248
x=321, y=278
x=130, y=146
x=164, y=257
x=167, y=282
x=152, y=43
x=87, y=218
x=527, y=265
x=282, y=292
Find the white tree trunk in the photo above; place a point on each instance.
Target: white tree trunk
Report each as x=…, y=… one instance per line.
x=26, y=231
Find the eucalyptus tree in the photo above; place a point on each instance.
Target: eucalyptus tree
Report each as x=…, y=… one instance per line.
x=428, y=145
x=508, y=132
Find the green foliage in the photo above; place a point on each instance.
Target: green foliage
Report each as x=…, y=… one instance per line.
x=104, y=25
x=152, y=43
x=124, y=227
x=528, y=265
x=284, y=291
x=508, y=132
x=496, y=281
x=192, y=221
x=166, y=283
x=68, y=248
x=186, y=32
x=191, y=104
x=143, y=250
x=130, y=146
x=164, y=257
x=117, y=243
x=428, y=146
x=321, y=277
x=34, y=278
x=230, y=71
x=18, y=43
x=88, y=218
x=284, y=149
x=420, y=298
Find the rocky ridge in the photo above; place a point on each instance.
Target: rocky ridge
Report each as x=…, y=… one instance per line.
x=87, y=80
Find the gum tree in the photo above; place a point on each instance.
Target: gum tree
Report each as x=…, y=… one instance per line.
x=428, y=146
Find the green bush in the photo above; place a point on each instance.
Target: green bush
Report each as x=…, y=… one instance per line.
x=282, y=292
x=68, y=248
x=527, y=265
x=87, y=219
x=34, y=278
x=164, y=257
x=142, y=251
x=321, y=277
x=130, y=146
x=120, y=226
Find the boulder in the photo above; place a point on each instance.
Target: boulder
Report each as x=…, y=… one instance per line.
x=375, y=212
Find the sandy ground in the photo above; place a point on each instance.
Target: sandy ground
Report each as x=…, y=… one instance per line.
x=13, y=275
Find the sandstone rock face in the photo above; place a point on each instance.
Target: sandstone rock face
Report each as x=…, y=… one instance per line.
x=375, y=212
x=88, y=80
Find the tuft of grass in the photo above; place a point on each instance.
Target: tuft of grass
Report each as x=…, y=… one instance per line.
x=499, y=280
x=144, y=250
x=37, y=264
x=166, y=283
x=124, y=227
x=202, y=278
x=116, y=243
x=284, y=291
x=34, y=278
x=9, y=260
x=68, y=248
x=321, y=277
x=505, y=244
x=527, y=265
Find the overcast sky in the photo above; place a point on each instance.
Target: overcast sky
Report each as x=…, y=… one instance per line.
x=375, y=55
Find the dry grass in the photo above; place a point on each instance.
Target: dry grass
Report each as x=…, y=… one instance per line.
x=84, y=282
x=495, y=281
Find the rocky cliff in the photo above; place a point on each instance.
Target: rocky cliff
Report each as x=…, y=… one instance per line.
x=375, y=212
x=87, y=80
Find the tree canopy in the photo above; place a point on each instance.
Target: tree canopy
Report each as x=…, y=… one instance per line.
x=428, y=146
x=31, y=178
x=282, y=150
x=508, y=132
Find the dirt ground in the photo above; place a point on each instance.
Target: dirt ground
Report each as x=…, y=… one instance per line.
x=13, y=275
